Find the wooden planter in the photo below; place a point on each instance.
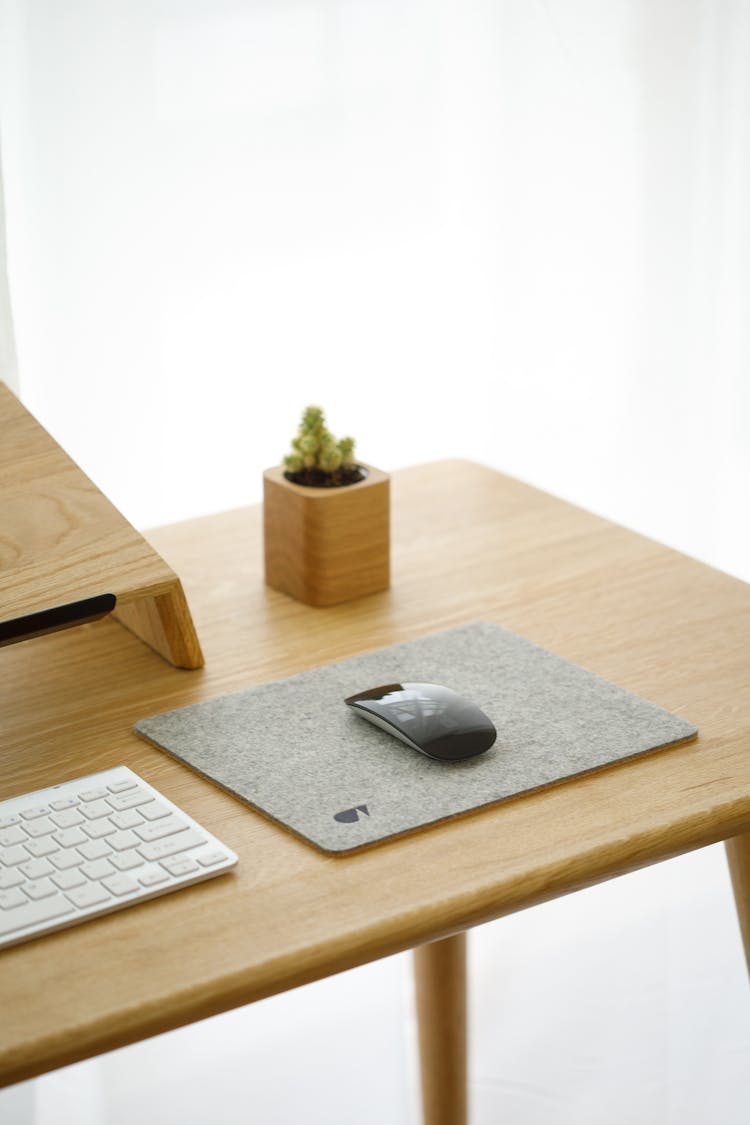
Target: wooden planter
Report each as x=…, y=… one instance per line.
x=327, y=545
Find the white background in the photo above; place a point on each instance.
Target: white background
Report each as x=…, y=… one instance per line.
x=513, y=231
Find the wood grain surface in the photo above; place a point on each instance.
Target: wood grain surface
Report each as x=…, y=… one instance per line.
x=467, y=543
x=440, y=979
x=738, y=857
x=61, y=540
x=324, y=546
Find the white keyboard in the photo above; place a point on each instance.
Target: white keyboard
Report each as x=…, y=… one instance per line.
x=93, y=845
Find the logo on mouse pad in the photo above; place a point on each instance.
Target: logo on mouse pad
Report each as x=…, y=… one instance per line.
x=351, y=816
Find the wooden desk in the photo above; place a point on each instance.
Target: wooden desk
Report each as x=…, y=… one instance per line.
x=468, y=543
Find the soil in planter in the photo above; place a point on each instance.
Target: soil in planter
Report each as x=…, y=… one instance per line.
x=316, y=478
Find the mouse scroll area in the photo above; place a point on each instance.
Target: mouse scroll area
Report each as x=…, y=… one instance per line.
x=430, y=718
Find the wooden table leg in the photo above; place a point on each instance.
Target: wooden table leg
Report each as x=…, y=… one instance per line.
x=440, y=977
x=738, y=855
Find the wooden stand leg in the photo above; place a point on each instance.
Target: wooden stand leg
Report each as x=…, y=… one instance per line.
x=738, y=856
x=164, y=622
x=440, y=977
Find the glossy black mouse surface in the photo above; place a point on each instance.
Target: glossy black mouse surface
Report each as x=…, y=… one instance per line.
x=428, y=717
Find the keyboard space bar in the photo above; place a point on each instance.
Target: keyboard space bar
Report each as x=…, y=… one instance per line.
x=33, y=913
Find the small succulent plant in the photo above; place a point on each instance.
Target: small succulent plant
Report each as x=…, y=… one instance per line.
x=317, y=458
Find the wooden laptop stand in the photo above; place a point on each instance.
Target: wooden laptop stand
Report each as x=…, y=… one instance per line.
x=62, y=541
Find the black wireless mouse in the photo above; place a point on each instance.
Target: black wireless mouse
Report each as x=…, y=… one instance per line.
x=430, y=718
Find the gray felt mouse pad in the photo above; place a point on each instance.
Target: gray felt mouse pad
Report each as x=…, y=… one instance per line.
x=295, y=751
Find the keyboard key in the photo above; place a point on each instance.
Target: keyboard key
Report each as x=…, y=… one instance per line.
x=121, y=841
x=45, y=845
x=34, y=812
x=127, y=819
x=179, y=866
x=67, y=818
x=63, y=861
x=10, y=836
x=156, y=810
x=209, y=859
x=67, y=879
x=122, y=801
x=41, y=827
x=119, y=884
x=10, y=877
x=69, y=837
x=37, y=868
x=90, y=895
x=152, y=877
x=122, y=786
x=11, y=857
x=64, y=803
x=160, y=828
x=34, y=913
x=98, y=828
x=9, y=820
x=39, y=888
x=95, y=809
x=94, y=849
x=160, y=849
x=9, y=900
x=97, y=869
x=125, y=861
x=93, y=794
